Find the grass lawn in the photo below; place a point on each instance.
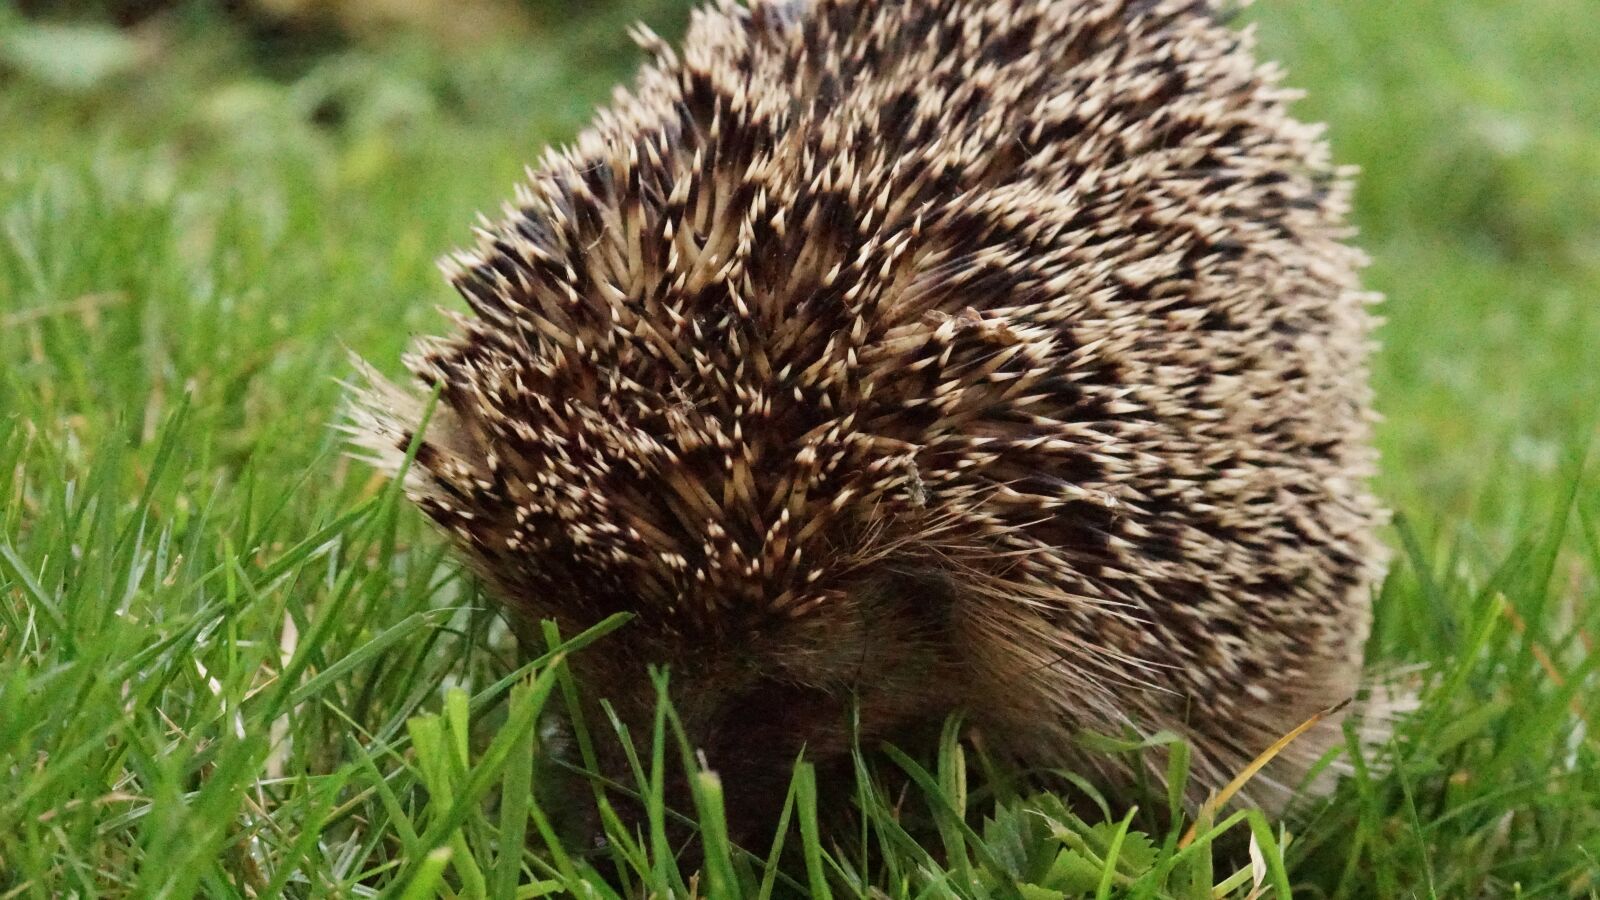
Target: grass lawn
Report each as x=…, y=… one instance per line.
x=232, y=663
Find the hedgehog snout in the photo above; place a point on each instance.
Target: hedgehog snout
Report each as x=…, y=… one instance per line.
x=881, y=666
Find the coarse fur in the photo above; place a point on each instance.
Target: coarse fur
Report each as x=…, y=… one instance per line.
x=993, y=356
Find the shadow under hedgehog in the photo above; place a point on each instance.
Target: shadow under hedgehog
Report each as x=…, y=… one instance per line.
x=993, y=356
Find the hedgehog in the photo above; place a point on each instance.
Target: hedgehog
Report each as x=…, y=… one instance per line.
x=894, y=361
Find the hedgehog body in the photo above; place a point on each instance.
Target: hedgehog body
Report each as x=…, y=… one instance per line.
x=994, y=356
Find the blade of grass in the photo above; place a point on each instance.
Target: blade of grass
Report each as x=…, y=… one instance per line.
x=805, y=788
x=1219, y=799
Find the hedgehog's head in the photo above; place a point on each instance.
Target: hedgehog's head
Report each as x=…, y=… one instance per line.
x=754, y=695
x=788, y=577
x=781, y=631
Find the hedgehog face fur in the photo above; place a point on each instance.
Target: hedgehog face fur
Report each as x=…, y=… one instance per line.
x=988, y=355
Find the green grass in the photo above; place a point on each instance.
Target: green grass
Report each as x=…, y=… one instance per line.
x=232, y=663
